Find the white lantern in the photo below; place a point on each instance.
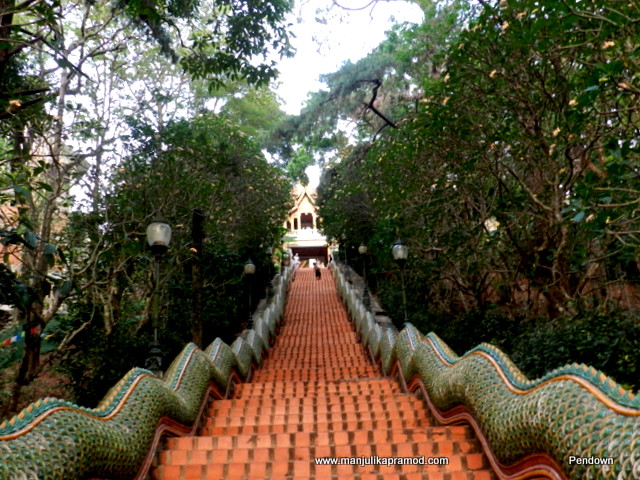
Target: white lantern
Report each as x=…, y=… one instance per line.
x=159, y=236
x=400, y=252
x=249, y=268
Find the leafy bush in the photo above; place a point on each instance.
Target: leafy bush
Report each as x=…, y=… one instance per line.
x=97, y=362
x=608, y=341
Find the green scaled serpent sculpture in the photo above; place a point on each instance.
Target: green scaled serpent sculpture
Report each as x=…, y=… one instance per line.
x=575, y=422
x=57, y=440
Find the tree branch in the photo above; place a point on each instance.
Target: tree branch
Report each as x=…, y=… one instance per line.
x=356, y=9
x=371, y=107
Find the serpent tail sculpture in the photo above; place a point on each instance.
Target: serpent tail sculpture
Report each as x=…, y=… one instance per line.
x=575, y=422
x=57, y=440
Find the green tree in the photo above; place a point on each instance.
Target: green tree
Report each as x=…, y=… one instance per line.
x=529, y=130
x=377, y=91
x=514, y=178
x=256, y=111
x=548, y=114
x=60, y=62
x=206, y=164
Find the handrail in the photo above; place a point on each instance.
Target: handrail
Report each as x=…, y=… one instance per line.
x=55, y=439
x=574, y=422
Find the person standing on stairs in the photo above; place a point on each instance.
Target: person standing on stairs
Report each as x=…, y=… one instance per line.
x=317, y=269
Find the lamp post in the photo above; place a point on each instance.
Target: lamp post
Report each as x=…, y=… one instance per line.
x=249, y=270
x=270, y=272
x=347, y=271
x=400, y=253
x=158, y=238
x=366, y=299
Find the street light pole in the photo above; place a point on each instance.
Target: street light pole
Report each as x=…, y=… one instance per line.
x=155, y=303
x=347, y=270
x=270, y=272
x=249, y=270
x=158, y=238
x=400, y=253
x=404, y=294
x=366, y=298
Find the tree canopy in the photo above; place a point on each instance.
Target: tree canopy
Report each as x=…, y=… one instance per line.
x=105, y=110
x=365, y=97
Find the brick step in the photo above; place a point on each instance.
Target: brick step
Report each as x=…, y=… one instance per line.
x=327, y=354
x=324, y=354
x=328, y=309
x=304, y=322
x=321, y=354
x=307, y=327
x=308, y=374
x=317, y=347
x=334, y=425
x=317, y=417
x=320, y=411
x=298, y=471
x=342, y=336
x=369, y=386
x=356, y=354
x=296, y=464
x=287, y=364
x=332, y=315
x=317, y=403
x=340, y=367
x=344, y=341
x=358, y=436
x=347, y=371
x=235, y=419
x=454, y=451
x=305, y=330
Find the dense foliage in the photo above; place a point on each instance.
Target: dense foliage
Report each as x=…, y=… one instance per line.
x=102, y=129
x=514, y=183
x=206, y=167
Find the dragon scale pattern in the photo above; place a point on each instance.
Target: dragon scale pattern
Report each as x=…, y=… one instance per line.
x=54, y=439
x=574, y=411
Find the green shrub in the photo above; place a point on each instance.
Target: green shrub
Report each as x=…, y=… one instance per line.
x=97, y=361
x=608, y=341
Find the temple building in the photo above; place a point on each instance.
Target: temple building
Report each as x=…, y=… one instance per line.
x=303, y=237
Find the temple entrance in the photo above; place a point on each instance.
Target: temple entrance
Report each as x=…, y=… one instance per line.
x=306, y=220
x=311, y=253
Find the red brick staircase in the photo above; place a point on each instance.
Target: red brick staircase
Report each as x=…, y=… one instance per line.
x=316, y=396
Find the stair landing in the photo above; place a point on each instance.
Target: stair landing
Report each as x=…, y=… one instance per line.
x=318, y=399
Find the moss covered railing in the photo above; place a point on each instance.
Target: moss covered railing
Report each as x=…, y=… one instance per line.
x=57, y=440
x=575, y=422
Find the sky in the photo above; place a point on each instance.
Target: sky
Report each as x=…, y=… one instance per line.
x=323, y=48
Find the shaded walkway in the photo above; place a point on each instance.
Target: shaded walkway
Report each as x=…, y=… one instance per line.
x=316, y=396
